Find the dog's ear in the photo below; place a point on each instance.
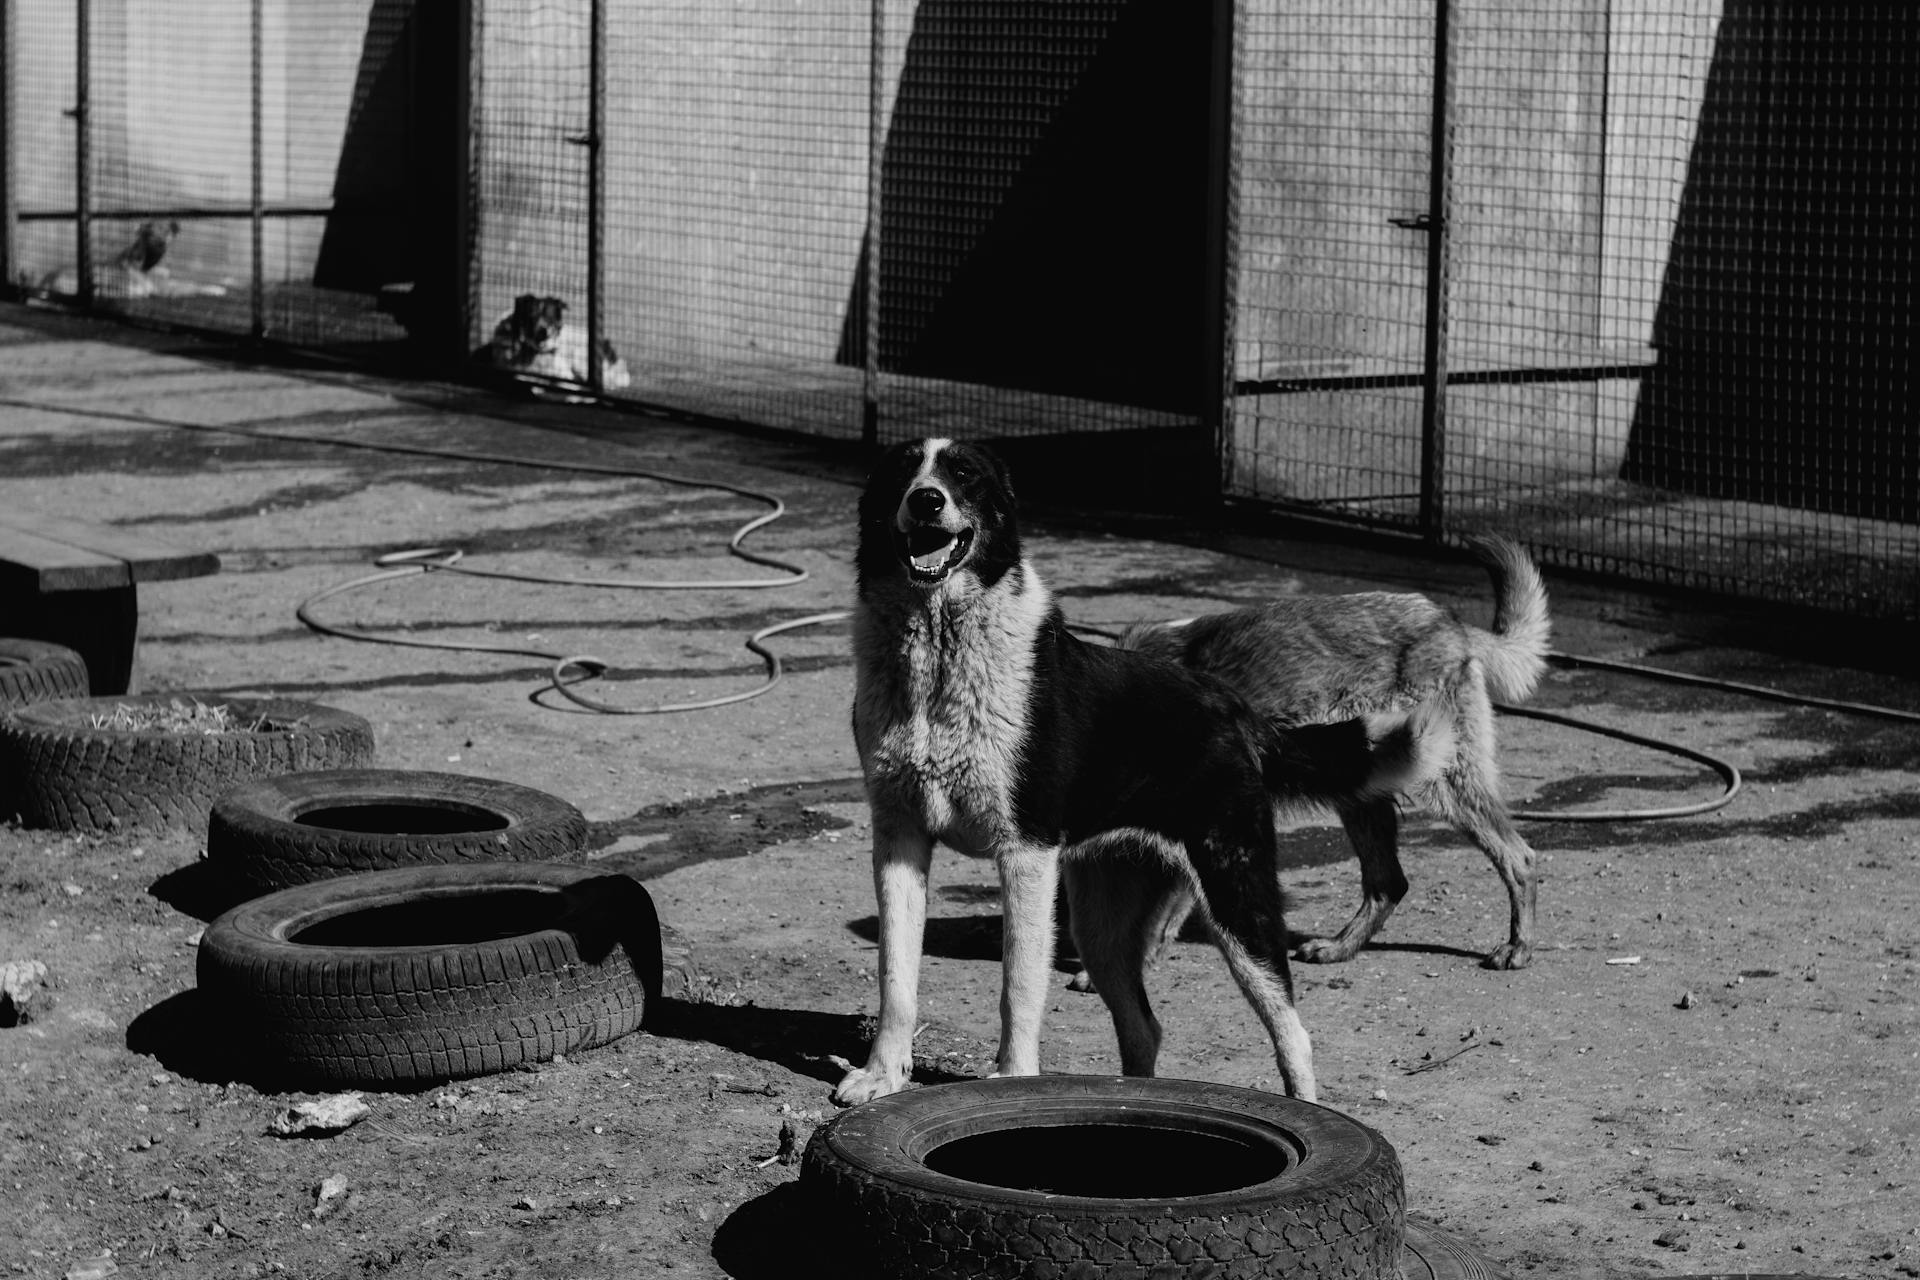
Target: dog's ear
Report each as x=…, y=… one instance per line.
x=887, y=482
x=980, y=471
x=874, y=558
x=996, y=470
x=986, y=485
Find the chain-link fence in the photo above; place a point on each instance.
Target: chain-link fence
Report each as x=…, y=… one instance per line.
x=1630, y=279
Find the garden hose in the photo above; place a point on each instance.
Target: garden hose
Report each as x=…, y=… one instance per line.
x=572, y=670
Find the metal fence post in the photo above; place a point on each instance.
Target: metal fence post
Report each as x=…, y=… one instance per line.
x=1221, y=292
x=9, y=171
x=1433, y=390
x=876, y=172
x=596, y=189
x=468, y=280
x=82, y=114
x=257, y=191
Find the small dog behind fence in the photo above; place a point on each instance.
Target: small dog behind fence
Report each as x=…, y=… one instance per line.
x=536, y=338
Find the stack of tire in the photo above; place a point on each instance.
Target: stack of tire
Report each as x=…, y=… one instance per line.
x=393, y=927
x=413, y=928
x=32, y=672
x=70, y=768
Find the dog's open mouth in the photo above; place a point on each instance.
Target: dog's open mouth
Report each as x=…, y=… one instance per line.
x=931, y=553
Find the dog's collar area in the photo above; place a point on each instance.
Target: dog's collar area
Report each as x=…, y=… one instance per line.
x=930, y=552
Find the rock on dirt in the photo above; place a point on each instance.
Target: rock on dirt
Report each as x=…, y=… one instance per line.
x=321, y=1117
x=95, y=1268
x=329, y=1195
x=22, y=991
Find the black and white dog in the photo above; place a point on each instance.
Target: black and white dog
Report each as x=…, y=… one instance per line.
x=536, y=338
x=982, y=723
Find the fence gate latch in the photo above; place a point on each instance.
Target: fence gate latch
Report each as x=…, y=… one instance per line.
x=1418, y=222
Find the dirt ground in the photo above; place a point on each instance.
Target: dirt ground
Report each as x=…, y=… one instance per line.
x=1579, y=1118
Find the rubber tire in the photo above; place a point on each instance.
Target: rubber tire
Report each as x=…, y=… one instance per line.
x=35, y=671
x=1338, y=1207
x=255, y=836
x=325, y=1016
x=73, y=777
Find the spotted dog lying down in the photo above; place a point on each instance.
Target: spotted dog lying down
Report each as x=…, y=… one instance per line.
x=535, y=338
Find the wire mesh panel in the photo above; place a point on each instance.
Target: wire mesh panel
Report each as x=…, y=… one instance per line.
x=736, y=163
x=1335, y=106
x=1631, y=279
x=1042, y=217
x=361, y=178
x=1529, y=356
x=1778, y=419
x=167, y=115
x=1674, y=322
x=533, y=161
x=240, y=165
x=42, y=69
x=1681, y=246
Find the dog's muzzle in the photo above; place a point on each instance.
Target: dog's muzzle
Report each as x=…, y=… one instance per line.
x=931, y=541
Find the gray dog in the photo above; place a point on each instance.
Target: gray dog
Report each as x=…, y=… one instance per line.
x=1379, y=657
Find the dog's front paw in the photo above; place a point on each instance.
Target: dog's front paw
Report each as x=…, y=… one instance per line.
x=1324, y=951
x=1509, y=955
x=864, y=1084
x=1081, y=981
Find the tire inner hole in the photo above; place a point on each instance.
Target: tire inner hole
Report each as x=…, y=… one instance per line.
x=1110, y=1161
x=405, y=818
x=441, y=919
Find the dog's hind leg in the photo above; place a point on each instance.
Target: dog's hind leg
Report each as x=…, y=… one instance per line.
x=1244, y=911
x=1373, y=826
x=1483, y=818
x=1119, y=906
x=1029, y=877
x=901, y=858
x=1469, y=797
x=1164, y=927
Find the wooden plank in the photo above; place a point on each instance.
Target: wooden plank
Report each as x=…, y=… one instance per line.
x=29, y=562
x=149, y=558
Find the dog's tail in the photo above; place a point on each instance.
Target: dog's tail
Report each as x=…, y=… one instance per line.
x=1376, y=755
x=1514, y=653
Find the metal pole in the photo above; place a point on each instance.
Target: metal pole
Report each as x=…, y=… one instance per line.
x=1433, y=398
x=82, y=114
x=9, y=171
x=469, y=281
x=596, y=189
x=258, y=196
x=876, y=173
x=1220, y=291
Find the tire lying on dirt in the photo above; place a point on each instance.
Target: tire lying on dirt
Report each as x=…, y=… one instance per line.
x=75, y=771
x=35, y=671
x=1092, y=1176
x=424, y=974
x=296, y=828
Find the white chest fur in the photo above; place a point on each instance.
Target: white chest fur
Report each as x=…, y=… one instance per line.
x=941, y=701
